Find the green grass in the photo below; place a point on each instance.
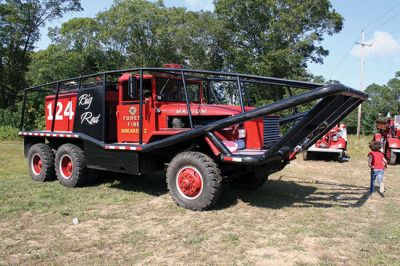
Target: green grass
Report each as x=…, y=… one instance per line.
x=20, y=194
x=8, y=133
x=358, y=148
x=312, y=212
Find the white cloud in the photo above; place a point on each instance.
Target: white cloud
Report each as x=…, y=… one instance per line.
x=383, y=45
x=199, y=4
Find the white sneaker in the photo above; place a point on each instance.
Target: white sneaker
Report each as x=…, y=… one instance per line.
x=382, y=188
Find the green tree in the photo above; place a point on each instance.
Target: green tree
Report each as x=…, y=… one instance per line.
x=383, y=99
x=275, y=37
x=20, y=22
x=149, y=34
x=129, y=34
x=76, y=50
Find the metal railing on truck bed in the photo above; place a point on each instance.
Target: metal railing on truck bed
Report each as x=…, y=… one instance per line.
x=333, y=103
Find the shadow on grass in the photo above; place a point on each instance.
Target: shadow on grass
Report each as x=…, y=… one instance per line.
x=324, y=157
x=275, y=194
x=153, y=184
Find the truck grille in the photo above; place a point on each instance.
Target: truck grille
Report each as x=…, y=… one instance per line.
x=271, y=131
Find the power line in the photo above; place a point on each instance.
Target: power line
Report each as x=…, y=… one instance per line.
x=347, y=72
x=387, y=34
x=343, y=58
x=384, y=23
x=381, y=16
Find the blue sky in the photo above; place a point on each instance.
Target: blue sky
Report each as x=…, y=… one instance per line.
x=343, y=62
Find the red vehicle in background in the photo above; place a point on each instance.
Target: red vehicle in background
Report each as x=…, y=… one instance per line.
x=333, y=144
x=389, y=135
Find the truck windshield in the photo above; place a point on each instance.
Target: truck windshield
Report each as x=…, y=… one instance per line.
x=172, y=90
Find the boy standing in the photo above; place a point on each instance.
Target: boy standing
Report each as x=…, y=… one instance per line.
x=377, y=163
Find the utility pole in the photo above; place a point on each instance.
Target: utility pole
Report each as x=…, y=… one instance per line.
x=363, y=44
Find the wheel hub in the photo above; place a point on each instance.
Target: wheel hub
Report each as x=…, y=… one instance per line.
x=66, y=167
x=190, y=182
x=37, y=164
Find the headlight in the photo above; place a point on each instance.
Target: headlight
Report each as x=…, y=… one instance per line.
x=335, y=138
x=242, y=133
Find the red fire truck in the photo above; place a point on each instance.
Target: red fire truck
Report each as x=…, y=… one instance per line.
x=201, y=125
x=389, y=135
x=333, y=144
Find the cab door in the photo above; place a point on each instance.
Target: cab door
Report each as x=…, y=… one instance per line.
x=128, y=109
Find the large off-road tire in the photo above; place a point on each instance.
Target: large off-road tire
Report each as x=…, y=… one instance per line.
x=70, y=165
x=41, y=162
x=194, y=181
x=249, y=181
x=393, y=158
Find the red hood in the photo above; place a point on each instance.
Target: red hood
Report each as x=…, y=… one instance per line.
x=202, y=109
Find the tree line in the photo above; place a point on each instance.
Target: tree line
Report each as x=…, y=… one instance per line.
x=270, y=37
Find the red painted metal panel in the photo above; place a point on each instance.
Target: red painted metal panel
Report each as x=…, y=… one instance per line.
x=393, y=143
x=65, y=112
x=254, y=133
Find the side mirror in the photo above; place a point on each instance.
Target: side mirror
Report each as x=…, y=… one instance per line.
x=132, y=88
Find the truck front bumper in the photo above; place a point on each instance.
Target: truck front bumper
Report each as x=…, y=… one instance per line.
x=395, y=150
x=324, y=150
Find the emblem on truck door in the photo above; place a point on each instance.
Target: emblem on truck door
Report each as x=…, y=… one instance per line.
x=132, y=110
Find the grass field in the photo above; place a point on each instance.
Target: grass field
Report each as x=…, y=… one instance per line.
x=311, y=213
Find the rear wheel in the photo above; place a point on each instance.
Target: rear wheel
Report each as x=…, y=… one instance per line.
x=70, y=164
x=194, y=181
x=41, y=162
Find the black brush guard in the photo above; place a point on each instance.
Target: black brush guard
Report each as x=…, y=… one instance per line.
x=335, y=101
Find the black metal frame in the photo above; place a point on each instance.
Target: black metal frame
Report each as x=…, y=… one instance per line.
x=336, y=101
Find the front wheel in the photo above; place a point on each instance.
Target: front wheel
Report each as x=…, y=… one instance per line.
x=194, y=181
x=392, y=158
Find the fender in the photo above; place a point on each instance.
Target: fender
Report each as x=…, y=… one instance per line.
x=393, y=143
x=339, y=144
